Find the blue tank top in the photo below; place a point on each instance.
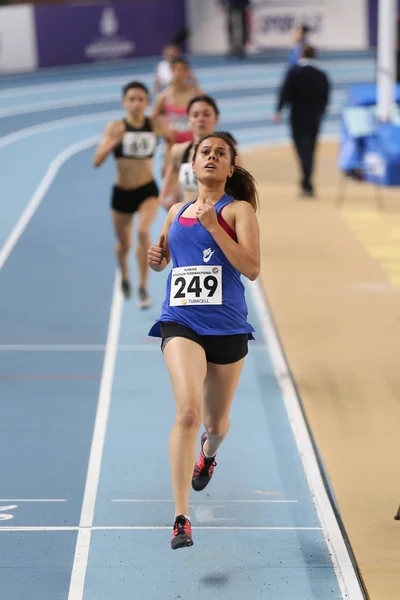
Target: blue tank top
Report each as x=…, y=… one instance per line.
x=207, y=293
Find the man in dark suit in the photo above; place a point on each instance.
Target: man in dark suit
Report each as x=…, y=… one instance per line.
x=306, y=90
x=300, y=38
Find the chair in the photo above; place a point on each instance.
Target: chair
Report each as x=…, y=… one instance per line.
x=359, y=122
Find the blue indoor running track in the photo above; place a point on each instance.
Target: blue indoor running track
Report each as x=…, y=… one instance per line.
x=86, y=403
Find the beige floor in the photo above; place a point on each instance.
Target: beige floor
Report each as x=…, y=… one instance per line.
x=332, y=277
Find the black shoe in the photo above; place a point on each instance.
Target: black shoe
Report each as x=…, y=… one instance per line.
x=203, y=469
x=144, y=300
x=182, y=537
x=307, y=194
x=126, y=288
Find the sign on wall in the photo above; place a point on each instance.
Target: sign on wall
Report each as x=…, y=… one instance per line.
x=334, y=24
x=72, y=34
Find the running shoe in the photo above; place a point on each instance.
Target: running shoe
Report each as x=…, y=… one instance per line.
x=126, y=288
x=203, y=469
x=144, y=300
x=182, y=537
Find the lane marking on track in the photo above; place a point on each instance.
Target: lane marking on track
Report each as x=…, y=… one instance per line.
x=39, y=194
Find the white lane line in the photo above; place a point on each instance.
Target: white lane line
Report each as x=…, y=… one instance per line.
x=39, y=194
x=88, y=530
x=360, y=67
x=223, y=527
x=269, y=131
x=225, y=104
x=79, y=567
x=114, y=97
x=262, y=102
x=205, y=502
x=72, y=85
x=250, y=81
x=21, y=134
x=82, y=83
x=344, y=570
x=25, y=132
x=34, y=500
x=4, y=516
x=22, y=109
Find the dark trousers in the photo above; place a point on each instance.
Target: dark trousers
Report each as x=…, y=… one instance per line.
x=304, y=135
x=237, y=29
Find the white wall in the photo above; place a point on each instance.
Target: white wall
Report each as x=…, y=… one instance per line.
x=338, y=24
x=18, y=51
x=206, y=21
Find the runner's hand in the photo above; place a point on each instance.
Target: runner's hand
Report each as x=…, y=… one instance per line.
x=207, y=215
x=156, y=254
x=116, y=133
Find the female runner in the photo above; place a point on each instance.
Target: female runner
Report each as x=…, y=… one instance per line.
x=163, y=72
x=203, y=324
x=133, y=142
x=172, y=103
x=180, y=182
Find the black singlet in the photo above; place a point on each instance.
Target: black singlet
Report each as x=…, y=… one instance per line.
x=137, y=143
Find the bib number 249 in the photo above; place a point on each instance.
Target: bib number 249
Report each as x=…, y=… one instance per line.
x=196, y=285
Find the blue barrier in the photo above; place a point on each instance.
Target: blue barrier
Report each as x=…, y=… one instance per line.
x=367, y=146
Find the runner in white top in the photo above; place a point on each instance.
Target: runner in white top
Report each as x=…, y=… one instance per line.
x=180, y=182
x=163, y=71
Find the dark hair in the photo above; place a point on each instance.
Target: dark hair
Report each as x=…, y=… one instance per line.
x=305, y=29
x=207, y=100
x=309, y=52
x=172, y=45
x=241, y=185
x=180, y=37
x=230, y=136
x=181, y=60
x=135, y=85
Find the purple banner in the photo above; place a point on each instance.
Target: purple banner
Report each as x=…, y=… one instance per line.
x=70, y=34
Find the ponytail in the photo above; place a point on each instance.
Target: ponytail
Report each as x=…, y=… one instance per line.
x=241, y=185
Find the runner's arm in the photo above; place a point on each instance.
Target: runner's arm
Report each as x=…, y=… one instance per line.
x=164, y=232
x=112, y=136
x=160, y=129
x=158, y=108
x=157, y=82
x=170, y=182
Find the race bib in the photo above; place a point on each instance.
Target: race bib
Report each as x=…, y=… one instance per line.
x=179, y=123
x=196, y=285
x=139, y=144
x=187, y=178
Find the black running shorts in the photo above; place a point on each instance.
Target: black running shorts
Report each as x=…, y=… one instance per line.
x=128, y=201
x=219, y=349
